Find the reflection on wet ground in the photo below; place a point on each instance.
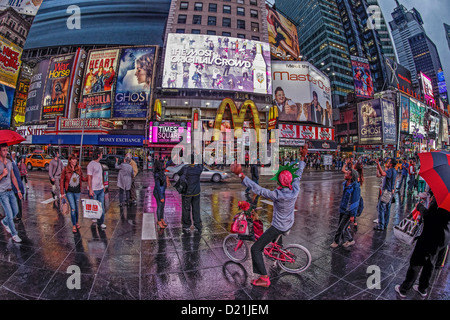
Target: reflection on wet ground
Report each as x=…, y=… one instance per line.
x=117, y=264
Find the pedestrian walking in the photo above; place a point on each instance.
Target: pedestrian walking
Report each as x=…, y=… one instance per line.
x=190, y=173
x=412, y=176
x=254, y=171
x=124, y=180
x=404, y=176
x=16, y=191
x=23, y=172
x=348, y=209
x=430, y=244
x=70, y=186
x=96, y=186
x=384, y=203
x=7, y=197
x=159, y=192
x=284, y=198
x=135, y=173
x=55, y=169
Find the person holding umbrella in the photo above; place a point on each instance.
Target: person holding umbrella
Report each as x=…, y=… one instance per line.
x=435, y=237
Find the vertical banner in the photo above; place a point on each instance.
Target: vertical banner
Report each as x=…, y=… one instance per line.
x=20, y=102
x=404, y=112
x=362, y=77
x=36, y=91
x=99, y=81
x=10, y=55
x=134, y=82
x=57, y=87
x=6, y=105
x=389, y=123
x=370, y=122
x=76, y=81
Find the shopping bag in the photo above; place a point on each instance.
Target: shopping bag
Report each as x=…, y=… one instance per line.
x=409, y=229
x=92, y=209
x=64, y=205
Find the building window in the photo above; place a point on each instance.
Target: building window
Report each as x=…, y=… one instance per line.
x=211, y=32
x=255, y=26
x=198, y=6
x=240, y=11
x=241, y=24
x=212, y=7
x=240, y=1
x=184, y=5
x=253, y=2
x=226, y=34
x=226, y=22
x=226, y=9
x=212, y=21
x=196, y=19
x=195, y=31
x=180, y=31
x=240, y=35
x=255, y=38
x=254, y=13
x=182, y=18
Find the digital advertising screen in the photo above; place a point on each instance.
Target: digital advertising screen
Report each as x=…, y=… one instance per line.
x=427, y=87
x=370, y=124
x=301, y=93
x=362, y=77
x=416, y=119
x=36, y=92
x=404, y=114
x=194, y=61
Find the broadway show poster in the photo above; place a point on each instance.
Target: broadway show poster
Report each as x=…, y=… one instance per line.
x=370, y=124
x=36, y=91
x=134, y=82
x=404, y=117
x=10, y=55
x=57, y=87
x=389, y=123
x=6, y=105
x=20, y=102
x=99, y=81
x=417, y=116
x=362, y=77
x=195, y=61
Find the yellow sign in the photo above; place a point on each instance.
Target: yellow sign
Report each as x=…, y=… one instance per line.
x=157, y=109
x=237, y=117
x=10, y=55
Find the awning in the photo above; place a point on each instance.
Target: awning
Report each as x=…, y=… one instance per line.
x=322, y=146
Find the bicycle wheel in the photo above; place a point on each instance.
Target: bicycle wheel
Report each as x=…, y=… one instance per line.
x=294, y=258
x=235, y=249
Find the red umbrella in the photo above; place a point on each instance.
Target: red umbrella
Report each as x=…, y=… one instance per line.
x=435, y=170
x=10, y=138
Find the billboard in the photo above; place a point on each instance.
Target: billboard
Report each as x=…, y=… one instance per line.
x=441, y=82
x=301, y=93
x=416, y=119
x=283, y=37
x=6, y=105
x=293, y=131
x=362, y=77
x=398, y=76
x=36, y=91
x=404, y=114
x=134, y=82
x=389, y=122
x=57, y=86
x=445, y=130
x=28, y=7
x=434, y=123
x=20, y=102
x=194, y=61
x=169, y=132
x=427, y=87
x=370, y=122
x=99, y=81
x=10, y=62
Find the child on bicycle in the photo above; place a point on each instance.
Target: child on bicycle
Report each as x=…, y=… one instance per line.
x=284, y=198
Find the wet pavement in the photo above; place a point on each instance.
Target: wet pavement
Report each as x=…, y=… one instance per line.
x=117, y=264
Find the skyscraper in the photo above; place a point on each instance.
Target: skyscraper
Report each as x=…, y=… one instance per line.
x=447, y=33
x=385, y=36
x=322, y=41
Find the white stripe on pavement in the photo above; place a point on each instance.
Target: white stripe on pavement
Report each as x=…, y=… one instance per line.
x=48, y=201
x=148, y=227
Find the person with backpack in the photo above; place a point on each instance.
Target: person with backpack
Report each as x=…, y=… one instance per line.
x=55, y=169
x=159, y=191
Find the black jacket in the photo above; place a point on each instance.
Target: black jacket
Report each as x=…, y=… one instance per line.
x=191, y=174
x=254, y=171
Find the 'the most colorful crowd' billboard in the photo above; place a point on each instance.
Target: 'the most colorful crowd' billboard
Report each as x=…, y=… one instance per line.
x=194, y=61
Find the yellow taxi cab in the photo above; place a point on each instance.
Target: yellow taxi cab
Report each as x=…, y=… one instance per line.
x=38, y=160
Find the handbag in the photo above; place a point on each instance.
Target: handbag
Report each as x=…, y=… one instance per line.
x=386, y=197
x=92, y=209
x=240, y=224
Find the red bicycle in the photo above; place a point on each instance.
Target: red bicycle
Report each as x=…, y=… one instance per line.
x=292, y=258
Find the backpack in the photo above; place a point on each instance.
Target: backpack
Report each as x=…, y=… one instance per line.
x=181, y=184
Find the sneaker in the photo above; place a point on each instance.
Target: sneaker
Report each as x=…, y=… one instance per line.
x=6, y=227
x=348, y=243
x=422, y=294
x=103, y=226
x=16, y=238
x=397, y=289
x=375, y=221
x=334, y=245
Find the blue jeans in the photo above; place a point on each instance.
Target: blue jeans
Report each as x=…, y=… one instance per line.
x=74, y=200
x=9, y=204
x=384, y=212
x=403, y=179
x=99, y=195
